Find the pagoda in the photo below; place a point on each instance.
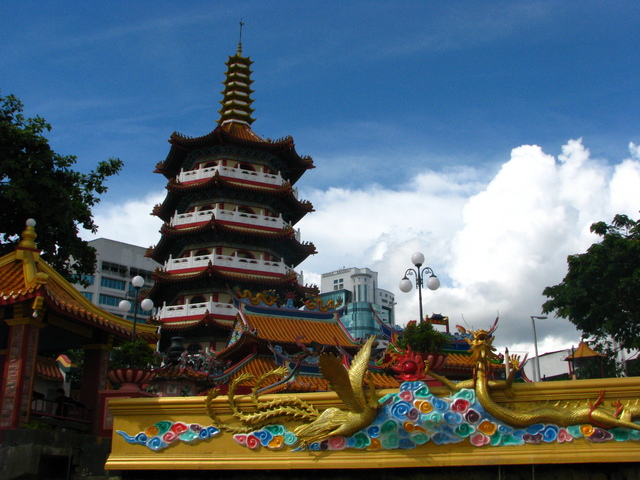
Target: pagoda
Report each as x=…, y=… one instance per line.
x=229, y=218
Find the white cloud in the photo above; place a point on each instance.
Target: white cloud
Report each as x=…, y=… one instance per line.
x=495, y=240
x=495, y=245
x=129, y=222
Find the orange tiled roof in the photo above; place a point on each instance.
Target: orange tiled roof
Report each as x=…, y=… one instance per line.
x=47, y=368
x=461, y=361
x=242, y=131
x=303, y=383
x=283, y=329
x=24, y=276
x=12, y=281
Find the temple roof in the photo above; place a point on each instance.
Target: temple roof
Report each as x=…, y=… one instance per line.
x=234, y=127
x=583, y=351
x=165, y=282
x=260, y=364
x=282, y=149
x=24, y=276
x=280, y=329
x=262, y=326
x=283, y=241
x=47, y=369
x=226, y=277
x=292, y=208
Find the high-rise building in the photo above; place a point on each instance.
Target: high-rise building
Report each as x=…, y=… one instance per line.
x=117, y=263
x=229, y=218
x=358, y=290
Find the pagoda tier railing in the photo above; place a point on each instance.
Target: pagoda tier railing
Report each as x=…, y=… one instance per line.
x=228, y=262
x=217, y=309
x=229, y=216
x=233, y=173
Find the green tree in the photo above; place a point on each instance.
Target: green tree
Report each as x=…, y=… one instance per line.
x=36, y=182
x=423, y=338
x=600, y=293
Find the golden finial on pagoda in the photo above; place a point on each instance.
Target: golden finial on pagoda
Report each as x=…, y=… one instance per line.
x=240, y=38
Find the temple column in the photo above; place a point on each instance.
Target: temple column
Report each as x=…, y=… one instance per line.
x=19, y=369
x=94, y=377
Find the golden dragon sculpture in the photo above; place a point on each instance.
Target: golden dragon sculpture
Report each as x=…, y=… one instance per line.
x=596, y=413
x=361, y=403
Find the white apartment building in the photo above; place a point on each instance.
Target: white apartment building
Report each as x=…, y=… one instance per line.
x=117, y=263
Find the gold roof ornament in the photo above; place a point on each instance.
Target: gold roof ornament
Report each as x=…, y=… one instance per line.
x=28, y=252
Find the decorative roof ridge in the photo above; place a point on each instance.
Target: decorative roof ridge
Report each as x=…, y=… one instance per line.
x=179, y=139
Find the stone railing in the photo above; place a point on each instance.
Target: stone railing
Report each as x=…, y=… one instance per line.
x=228, y=172
x=226, y=261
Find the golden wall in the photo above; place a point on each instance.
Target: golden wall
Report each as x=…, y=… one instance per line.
x=448, y=430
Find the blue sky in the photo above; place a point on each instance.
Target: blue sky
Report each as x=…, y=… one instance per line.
x=432, y=83
x=421, y=117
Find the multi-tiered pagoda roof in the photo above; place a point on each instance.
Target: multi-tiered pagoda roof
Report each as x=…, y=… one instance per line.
x=229, y=218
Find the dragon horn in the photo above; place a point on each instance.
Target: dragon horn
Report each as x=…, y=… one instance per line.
x=494, y=326
x=524, y=359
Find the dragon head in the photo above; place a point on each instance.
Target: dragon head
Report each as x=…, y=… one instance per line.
x=481, y=345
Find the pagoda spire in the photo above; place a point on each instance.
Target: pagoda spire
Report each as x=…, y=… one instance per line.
x=236, y=101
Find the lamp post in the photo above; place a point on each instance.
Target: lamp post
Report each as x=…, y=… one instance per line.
x=432, y=283
x=536, y=376
x=125, y=305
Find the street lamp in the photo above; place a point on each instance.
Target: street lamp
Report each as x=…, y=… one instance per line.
x=125, y=305
x=536, y=376
x=432, y=283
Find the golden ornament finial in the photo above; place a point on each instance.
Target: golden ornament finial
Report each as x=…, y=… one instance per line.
x=240, y=38
x=28, y=237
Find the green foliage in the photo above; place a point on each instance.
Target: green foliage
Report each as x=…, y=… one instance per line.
x=599, y=294
x=136, y=354
x=36, y=182
x=37, y=425
x=422, y=337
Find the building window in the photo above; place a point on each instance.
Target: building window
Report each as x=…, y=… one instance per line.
x=114, y=268
x=146, y=274
x=88, y=279
x=88, y=296
x=197, y=299
x=245, y=166
x=338, y=284
x=109, y=300
x=112, y=283
x=244, y=254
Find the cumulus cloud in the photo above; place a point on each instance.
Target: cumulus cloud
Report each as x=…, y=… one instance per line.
x=495, y=244
x=495, y=238
x=128, y=222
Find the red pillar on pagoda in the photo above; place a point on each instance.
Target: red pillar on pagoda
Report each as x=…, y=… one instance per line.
x=19, y=370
